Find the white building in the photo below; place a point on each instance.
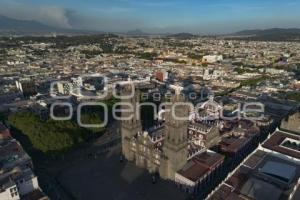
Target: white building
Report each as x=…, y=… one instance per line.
x=212, y=74
x=8, y=190
x=212, y=58
x=274, y=71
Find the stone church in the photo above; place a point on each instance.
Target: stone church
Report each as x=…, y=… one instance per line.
x=167, y=146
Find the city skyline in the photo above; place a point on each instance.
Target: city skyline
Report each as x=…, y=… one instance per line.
x=166, y=16
x=149, y=99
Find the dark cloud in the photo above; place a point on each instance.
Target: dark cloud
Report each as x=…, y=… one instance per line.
x=103, y=22
x=49, y=15
x=65, y=18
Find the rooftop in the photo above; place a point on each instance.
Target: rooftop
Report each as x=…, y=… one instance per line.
x=276, y=143
x=201, y=164
x=233, y=144
x=35, y=195
x=262, y=176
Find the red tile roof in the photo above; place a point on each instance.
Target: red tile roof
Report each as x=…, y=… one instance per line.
x=233, y=145
x=201, y=165
x=195, y=172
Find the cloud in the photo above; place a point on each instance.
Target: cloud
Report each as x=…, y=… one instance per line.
x=55, y=16
x=156, y=16
x=104, y=22
x=49, y=15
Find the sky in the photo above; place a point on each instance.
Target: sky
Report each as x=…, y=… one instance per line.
x=158, y=16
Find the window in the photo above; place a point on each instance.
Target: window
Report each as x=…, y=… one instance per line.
x=14, y=194
x=14, y=189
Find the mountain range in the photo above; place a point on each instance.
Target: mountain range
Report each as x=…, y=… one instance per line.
x=269, y=31
x=10, y=26
x=182, y=35
x=273, y=34
x=136, y=32
x=23, y=26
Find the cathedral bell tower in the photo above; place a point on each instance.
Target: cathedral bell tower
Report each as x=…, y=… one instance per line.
x=129, y=127
x=175, y=146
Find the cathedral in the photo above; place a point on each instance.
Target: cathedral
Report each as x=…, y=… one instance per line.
x=167, y=146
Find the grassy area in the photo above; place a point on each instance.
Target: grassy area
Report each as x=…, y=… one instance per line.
x=295, y=96
x=52, y=137
x=147, y=55
x=243, y=70
x=254, y=81
x=55, y=137
x=250, y=82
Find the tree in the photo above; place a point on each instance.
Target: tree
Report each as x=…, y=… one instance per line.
x=51, y=137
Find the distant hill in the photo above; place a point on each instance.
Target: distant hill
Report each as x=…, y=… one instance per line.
x=247, y=32
x=274, y=34
x=182, y=35
x=30, y=27
x=136, y=32
x=23, y=26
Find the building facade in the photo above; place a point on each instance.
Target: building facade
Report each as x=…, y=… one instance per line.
x=166, y=147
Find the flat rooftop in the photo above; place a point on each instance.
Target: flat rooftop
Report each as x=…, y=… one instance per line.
x=262, y=176
x=279, y=142
x=12, y=156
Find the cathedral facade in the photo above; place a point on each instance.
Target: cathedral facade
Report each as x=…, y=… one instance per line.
x=167, y=146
